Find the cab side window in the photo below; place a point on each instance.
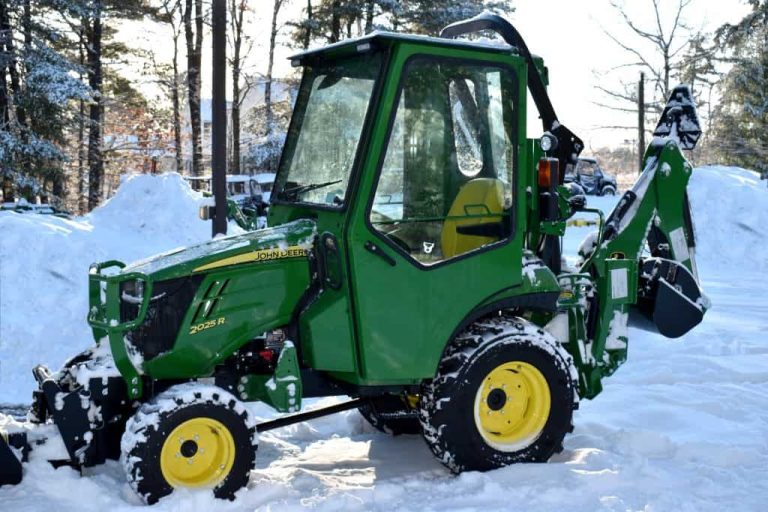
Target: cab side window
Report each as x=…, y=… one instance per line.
x=446, y=183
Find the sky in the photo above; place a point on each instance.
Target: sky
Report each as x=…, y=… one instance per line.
x=568, y=34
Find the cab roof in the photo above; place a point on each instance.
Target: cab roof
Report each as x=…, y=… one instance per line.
x=380, y=39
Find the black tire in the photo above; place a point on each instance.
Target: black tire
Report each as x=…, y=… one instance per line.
x=608, y=190
x=149, y=429
x=448, y=402
x=391, y=414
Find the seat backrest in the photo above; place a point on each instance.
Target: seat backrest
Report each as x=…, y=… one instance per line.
x=481, y=196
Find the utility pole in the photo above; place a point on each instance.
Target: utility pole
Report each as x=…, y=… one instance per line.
x=641, y=121
x=219, y=115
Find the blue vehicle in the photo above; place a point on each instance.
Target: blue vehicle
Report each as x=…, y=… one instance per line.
x=590, y=176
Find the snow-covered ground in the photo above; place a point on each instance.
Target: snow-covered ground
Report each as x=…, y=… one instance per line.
x=682, y=426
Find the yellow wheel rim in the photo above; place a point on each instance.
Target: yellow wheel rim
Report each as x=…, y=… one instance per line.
x=198, y=453
x=512, y=406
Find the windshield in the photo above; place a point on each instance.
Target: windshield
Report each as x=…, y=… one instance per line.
x=328, y=121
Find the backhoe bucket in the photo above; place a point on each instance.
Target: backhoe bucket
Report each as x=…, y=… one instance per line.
x=669, y=297
x=10, y=464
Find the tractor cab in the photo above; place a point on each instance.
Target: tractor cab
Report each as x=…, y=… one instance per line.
x=410, y=153
x=441, y=180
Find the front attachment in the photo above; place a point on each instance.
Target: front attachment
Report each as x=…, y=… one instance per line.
x=10, y=463
x=670, y=297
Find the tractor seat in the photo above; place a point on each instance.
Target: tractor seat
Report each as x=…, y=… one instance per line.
x=483, y=199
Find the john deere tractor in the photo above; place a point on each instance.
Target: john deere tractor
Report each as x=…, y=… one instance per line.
x=412, y=263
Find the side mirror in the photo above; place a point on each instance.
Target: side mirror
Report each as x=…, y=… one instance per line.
x=206, y=212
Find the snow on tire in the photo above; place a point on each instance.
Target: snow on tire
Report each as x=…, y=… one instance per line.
x=504, y=392
x=191, y=435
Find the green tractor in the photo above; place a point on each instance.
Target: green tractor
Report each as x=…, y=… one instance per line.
x=412, y=263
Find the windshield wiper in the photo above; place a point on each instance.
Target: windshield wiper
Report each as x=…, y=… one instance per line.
x=301, y=189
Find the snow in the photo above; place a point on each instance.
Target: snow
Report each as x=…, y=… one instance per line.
x=44, y=264
x=681, y=426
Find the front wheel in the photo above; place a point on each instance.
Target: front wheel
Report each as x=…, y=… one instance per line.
x=190, y=436
x=504, y=393
x=608, y=190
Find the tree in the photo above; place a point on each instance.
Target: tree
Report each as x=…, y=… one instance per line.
x=330, y=21
x=193, y=34
x=268, y=82
x=168, y=75
x=37, y=86
x=741, y=119
x=305, y=28
x=237, y=9
x=93, y=33
x=430, y=16
x=92, y=21
x=666, y=41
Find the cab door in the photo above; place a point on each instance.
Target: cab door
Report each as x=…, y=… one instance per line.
x=437, y=230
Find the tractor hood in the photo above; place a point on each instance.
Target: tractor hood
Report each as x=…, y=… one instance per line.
x=285, y=241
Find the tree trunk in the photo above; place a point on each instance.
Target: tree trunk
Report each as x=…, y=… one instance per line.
x=175, y=102
x=194, y=40
x=12, y=61
x=95, y=156
x=368, y=16
x=5, y=116
x=335, y=21
x=641, y=121
x=237, y=39
x=268, y=84
x=308, y=33
x=82, y=178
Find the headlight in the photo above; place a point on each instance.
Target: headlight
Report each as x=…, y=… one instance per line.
x=548, y=142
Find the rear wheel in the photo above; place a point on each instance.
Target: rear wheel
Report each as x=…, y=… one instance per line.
x=392, y=414
x=190, y=436
x=504, y=393
x=608, y=190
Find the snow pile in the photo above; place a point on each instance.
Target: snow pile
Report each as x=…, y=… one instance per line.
x=44, y=269
x=730, y=215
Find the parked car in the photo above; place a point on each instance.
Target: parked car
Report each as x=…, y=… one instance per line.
x=22, y=206
x=591, y=177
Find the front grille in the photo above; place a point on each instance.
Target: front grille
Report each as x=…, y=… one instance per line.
x=167, y=308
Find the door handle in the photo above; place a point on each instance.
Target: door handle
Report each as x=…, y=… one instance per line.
x=375, y=249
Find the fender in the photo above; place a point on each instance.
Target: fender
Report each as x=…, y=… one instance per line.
x=537, y=301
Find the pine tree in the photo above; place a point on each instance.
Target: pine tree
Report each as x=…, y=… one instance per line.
x=94, y=23
x=37, y=88
x=741, y=119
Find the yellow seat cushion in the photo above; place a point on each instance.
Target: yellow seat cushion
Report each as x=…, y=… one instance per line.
x=481, y=196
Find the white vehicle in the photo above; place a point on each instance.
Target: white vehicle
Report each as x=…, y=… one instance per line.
x=241, y=188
